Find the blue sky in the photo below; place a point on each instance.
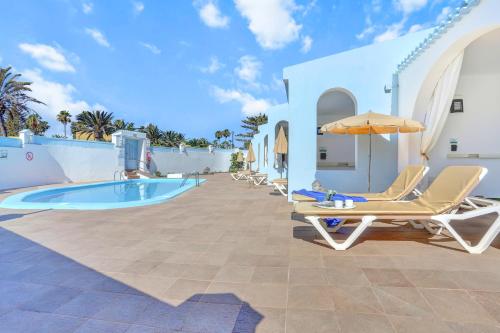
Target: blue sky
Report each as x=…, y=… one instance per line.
x=190, y=66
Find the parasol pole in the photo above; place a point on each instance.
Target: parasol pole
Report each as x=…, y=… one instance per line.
x=370, y=162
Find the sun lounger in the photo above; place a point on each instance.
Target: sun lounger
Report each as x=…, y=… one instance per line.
x=241, y=175
x=403, y=185
x=258, y=178
x=281, y=184
x=436, y=207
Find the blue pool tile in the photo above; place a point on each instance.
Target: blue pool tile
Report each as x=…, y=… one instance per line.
x=100, y=326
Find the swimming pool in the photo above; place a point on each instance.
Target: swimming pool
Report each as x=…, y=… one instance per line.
x=104, y=195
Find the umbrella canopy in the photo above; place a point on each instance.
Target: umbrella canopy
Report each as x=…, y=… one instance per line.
x=240, y=157
x=281, y=143
x=250, y=154
x=372, y=123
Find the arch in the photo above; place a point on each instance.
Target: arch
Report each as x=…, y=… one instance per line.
x=281, y=162
x=335, y=151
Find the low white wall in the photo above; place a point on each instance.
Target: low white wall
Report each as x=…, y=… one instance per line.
x=58, y=161
x=16, y=171
x=172, y=161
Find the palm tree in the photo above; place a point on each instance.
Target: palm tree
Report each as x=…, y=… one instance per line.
x=121, y=124
x=64, y=117
x=96, y=123
x=36, y=124
x=251, y=123
x=14, y=98
x=173, y=138
x=218, y=136
x=154, y=134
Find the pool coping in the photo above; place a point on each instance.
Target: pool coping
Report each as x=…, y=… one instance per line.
x=15, y=201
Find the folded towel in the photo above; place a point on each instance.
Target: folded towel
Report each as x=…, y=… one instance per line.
x=320, y=196
x=332, y=222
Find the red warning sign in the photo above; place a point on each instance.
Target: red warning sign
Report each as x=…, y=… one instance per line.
x=29, y=156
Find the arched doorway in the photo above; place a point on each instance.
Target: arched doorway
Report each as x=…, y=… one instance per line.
x=335, y=151
x=281, y=161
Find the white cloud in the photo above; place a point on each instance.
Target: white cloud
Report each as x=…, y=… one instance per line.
x=271, y=21
x=138, y=7
x=211, y=15
x=249, y=69
x=151, y=47
x=307, y=42
x=443, y=15
x=410, y=6
x=48, y=57
x=55, y=95
x=368, y=30
x=98, y=37
x=376, y=6
x=87, y=7
x=249, y=104
x=213, y=67
x=393, y=31
x=415, y=28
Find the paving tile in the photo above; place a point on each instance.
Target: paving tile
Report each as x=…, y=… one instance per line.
x=361, y=323
x=51, y=300
x=266, y=295
x=477, y=280
x=267, y=274
x=386, y=277
x=87, y=304
x=311, y=321
x=125, y=309
x=183, y=289
x=456, y=305
x=260, y=320
x=490, y=301
x=210, y=317
x=417, y=325
x=200, y=272
x=308, y=276
x=36, y=322
x=225, y=293
x=473, y=328
x=356, y=299
x=100, y=326
x=427, y=278
x=402, y=301
x=310, y=297
x=234, y=273
x=346, y=275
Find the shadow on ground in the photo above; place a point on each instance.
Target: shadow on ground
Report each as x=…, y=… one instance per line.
x=44, y=291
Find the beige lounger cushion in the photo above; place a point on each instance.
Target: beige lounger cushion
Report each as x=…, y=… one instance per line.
x=281, y=181
x=406, y=181
x=448, y=190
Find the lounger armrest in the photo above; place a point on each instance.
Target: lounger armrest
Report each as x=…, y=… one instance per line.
x=495, y=208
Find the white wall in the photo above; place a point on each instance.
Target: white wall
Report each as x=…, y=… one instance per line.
x=417, y=81
x=167, y=161
x=59, y=161
x=477, y=128
x=16, y=171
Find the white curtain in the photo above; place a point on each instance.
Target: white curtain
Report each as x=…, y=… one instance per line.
x=439, y=105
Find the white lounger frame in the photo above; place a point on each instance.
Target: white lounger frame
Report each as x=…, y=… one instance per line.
x=258, y=179
x=283, y=188
x=440, y=221
x=239, y=176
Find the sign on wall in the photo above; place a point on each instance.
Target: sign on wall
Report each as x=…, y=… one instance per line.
x=29, y=156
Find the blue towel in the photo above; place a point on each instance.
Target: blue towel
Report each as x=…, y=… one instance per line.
x=320, y=196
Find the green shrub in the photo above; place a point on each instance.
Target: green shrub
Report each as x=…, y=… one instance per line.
x=235, y=165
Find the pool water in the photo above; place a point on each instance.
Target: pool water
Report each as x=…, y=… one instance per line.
x=106, y=195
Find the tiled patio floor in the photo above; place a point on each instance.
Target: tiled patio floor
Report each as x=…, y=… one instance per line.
x=229, y=258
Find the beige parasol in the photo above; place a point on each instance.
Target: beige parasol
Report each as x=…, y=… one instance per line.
x=250, y=155
x=372, y=123
x=281, y=147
